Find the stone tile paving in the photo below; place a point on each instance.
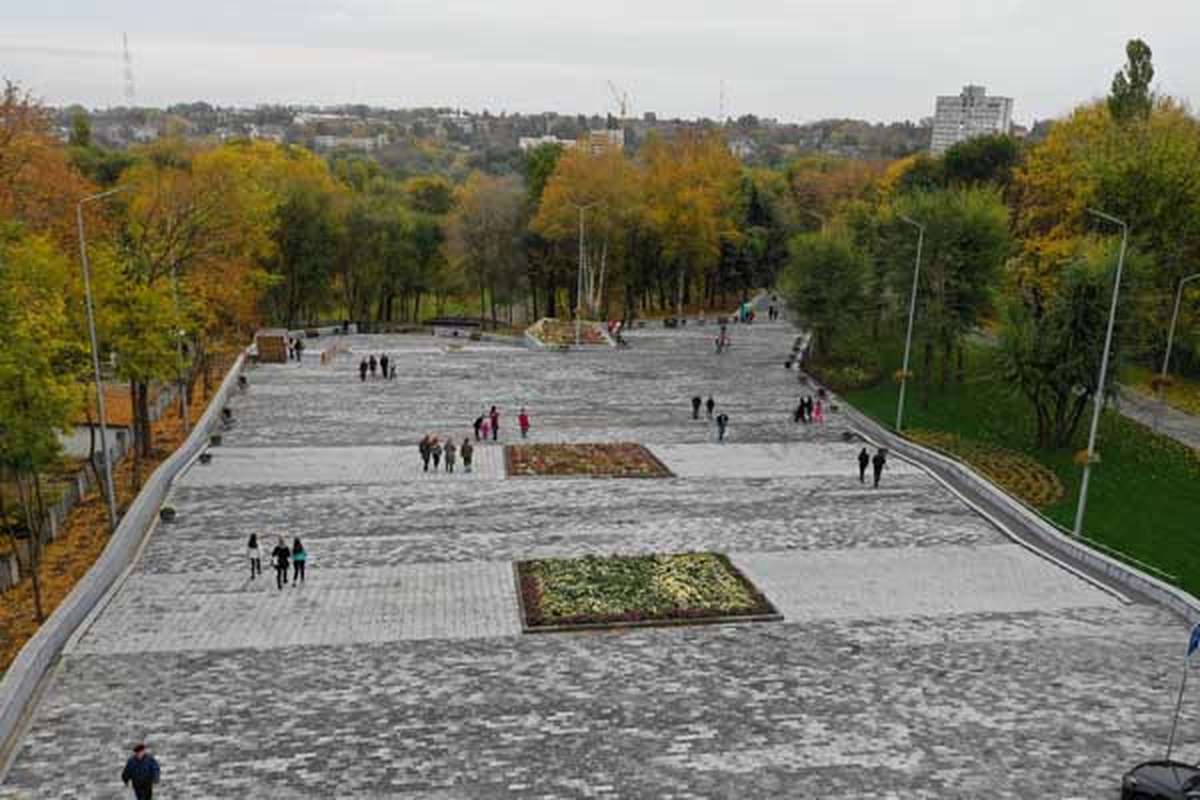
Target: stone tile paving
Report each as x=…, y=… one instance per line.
x=923, y=654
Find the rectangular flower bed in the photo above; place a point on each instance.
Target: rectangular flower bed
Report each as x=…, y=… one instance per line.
x=615, y=460
x=624, y=591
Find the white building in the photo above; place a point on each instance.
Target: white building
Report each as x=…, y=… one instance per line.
x=971, y=113
x=596, y=142
x=364, y=143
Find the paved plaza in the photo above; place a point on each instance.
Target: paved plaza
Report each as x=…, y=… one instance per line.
x=923, y=653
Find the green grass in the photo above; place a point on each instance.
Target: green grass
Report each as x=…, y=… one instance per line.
x=1144, y=499
x=1183, y=393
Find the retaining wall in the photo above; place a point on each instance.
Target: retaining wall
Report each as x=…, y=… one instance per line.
x=20, y=683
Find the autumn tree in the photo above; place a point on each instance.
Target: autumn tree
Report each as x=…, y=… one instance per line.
x=484, y=238
x=825, y=285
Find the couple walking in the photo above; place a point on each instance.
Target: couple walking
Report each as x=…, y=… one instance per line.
x=281, y=558
x=810, y=411
x=876, y=462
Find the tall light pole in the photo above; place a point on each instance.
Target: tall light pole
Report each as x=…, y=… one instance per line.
x=581, y=207
x=1098, y=399
x=1175, y=319
x=183, y=398
x=87, y=297
x=912, y=313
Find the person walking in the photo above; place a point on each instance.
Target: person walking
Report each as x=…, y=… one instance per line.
x=722, y=424
x=485, y=428
x=383, y=366
x=709, y=405
x=878, y=462
x=435, y=452
x=299, y=350
x=478, y=425
x=523, y=422
x=362, y=370
x=495, y=417
x=299, y=558
x=696, y=407
x=255, y=556
x=819, y=413
x=371, y=364
x=798, y=414
x=864, y=461
x=142, y=772
x=282, y=558
x=425, y=452
x=449, y=450
x=468, y=452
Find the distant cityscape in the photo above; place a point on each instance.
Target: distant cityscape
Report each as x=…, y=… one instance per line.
x=402, y=137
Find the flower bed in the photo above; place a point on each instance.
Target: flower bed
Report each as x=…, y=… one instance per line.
x=603, y=591
x=1018, y=474
x=616, y=460
x=556, y=333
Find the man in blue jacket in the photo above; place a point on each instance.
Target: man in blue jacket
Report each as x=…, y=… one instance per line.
x=142, y=771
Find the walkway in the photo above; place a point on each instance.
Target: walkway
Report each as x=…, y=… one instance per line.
x=922, y=653
x=1179, y=425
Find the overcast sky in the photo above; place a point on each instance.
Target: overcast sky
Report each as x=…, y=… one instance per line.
x=791, y=59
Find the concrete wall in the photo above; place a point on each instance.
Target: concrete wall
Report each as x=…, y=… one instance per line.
x=19, y=686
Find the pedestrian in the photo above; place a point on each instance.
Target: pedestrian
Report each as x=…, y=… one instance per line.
x=478, y=426
x=878, y=462
x=495, y=417
x=362, y=370
x=425, y=452
x=485, y=428
x=819, y=413
x=299, y=557
x=282, y=558
x=449, y=451
x=808, y=409
x=468, y=452
x=392, y=373
x=696, y=407
x=864, y=461
x=255, y=556
x=299, y=350
x=709, y=405
x=141, y=770
x=371, y=364
x=435, y=452
x=798, y=414
x=523, y=422
x=383, y=366
x=722, y=424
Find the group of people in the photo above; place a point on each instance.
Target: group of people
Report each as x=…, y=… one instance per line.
x=489, y=424
x=295, y=349
x=283, y=558
x=876, y=462
x=809, y=411
x=772, y=313
x=432, y=450
x=710, y=406
x=385, y=367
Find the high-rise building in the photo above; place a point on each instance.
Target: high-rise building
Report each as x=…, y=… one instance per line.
x=971, y=113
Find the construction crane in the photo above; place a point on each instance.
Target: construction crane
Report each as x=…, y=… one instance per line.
x=622, y=98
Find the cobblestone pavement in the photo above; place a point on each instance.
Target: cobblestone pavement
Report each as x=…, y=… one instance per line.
x=922, y=653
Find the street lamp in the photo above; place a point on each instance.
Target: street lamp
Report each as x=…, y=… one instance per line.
x=1098, y=399
x=183, y=398
x=87, y=296
x=912, y=312
x=1174, y=319
x=579, y=282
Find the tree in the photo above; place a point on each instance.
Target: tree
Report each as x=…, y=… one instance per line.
x=37, y=397
x=825, y=284
x=966, y=242
x=981, y=159
x=81, y=130
x=1130, y=97
x=484, y=238
x=1052, y=344
x=306, y=236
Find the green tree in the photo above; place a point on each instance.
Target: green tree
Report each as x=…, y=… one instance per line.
x=825, y=284
x=306, y=243
x=81, y=130
x=1052, y=344
x=981, y=159
x=1130, y=97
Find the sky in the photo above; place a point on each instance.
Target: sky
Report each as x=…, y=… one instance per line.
x=795, y=60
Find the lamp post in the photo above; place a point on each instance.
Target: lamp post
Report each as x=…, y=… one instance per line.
x=912, y=312
x=1174, y=319
x=183, y=398
x=91, y=316
x=581, y=207
x=1098, y=399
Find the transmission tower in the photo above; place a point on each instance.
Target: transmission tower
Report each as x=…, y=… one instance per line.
x=129, y=97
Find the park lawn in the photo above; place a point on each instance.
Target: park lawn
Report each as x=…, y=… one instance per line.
x=1145, y=493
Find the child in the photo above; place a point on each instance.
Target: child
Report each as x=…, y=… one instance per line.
x=523, y=421
x=485, y=428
